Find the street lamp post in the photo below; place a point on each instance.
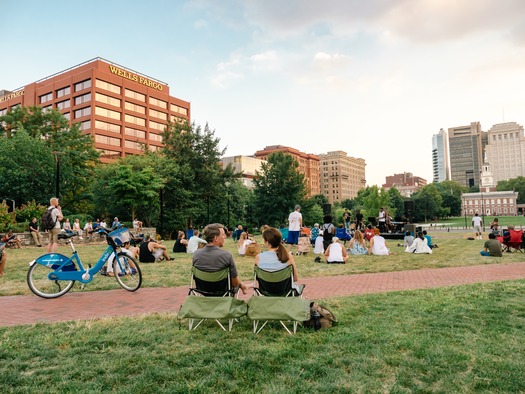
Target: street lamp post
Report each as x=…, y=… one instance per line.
x=465, y=210
x=483, y=211
x=227, y=184
x=57, y=173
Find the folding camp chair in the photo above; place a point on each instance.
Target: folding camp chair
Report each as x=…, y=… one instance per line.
x=275, y=298
x=512, y=240
x=211, y=296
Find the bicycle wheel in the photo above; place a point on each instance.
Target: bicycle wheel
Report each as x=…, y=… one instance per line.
x=42, y=286
x=127, y=272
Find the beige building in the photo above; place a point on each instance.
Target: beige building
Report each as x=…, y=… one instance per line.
x=505, y=151
x=308, y=165
x=341, y=176
x=466, y=145
x=245, y=165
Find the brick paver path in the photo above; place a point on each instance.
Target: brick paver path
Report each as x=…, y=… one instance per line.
x=17, y=310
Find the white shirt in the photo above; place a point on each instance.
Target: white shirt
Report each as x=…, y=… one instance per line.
x=419, y=246
x=193, y=244
x=335, y=254
x=294, y=221
x=476, y=220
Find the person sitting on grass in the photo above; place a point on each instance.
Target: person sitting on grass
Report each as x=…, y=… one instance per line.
x=12, y=240
x=357, y=245
x=419, y=245
x=378, y=244
x=492, y=247
x=152, y=252
x=131, y=251
x=3, y=259
x=336, y=253
x=429, y=240
x=181, y=244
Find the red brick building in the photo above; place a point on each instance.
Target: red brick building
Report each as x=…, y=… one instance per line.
x=308, y=165
x=122, y=109
x=406, y=183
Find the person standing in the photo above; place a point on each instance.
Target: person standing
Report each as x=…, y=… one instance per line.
x=477, y=223
x=381, y=218
x=35, y=232
x=359, y=220
x=346, y=219
x=295, y=223
x=56, y=217
x=3, y=259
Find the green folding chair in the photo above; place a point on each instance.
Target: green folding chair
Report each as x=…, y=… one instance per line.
x=211, y=297
x=275, y=298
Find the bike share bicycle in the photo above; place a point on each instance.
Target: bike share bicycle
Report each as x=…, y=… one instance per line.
x=53, y=275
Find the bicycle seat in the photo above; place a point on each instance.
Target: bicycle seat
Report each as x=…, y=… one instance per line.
x=66, y=235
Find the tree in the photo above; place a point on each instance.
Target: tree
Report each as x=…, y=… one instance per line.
x=127, y=188
x=74, y=150
x=515, y=184
x=370, y=199
x=396, y=203
x=427, y=203
x=278, y=187
x=194, y=178
x=451, y=196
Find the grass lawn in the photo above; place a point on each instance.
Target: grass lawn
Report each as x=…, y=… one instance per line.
x=504, y=221
x=448, y=340
x=454, y=250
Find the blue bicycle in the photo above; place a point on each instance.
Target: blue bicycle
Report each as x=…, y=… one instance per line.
x=53, y=275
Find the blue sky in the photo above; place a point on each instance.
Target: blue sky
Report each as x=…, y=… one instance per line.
x=373, y=78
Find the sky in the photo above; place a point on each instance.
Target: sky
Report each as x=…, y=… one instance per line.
x=374, y=78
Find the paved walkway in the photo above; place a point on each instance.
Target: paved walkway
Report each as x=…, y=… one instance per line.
x=16, y=310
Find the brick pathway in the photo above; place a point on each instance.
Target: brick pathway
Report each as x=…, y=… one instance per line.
x=95, y=304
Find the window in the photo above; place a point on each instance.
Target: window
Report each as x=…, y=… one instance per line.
x=46, y=97
x=158, y=114
x=83, y=85
x=108, y=154
x=3, y=111
x=153, y=148
x=135, y=132
x=63, y=92
x=135, y=107
x=107, y=113
x=107, y=100
x=85, y=125
x=67, y=115
x=135, y=120
x=157, y=126
x=47, y=108
x=102, y=139
x=155, y=137
x=82, y=112
x=177, y=109
x=107, y=86
x=135, y=95
x=133, y=145
x=64, y=104
x=85, y=98
x=158, y=103
x=114, y=128
x=176, y=119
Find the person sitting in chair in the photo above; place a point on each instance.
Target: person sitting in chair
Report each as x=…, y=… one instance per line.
x=212, y=258
x=277, y=256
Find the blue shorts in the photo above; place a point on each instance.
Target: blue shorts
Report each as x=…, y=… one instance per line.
x=293, y=237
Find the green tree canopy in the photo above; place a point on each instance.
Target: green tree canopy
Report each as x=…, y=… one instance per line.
x=278, y=187
x=515, y=184
x=451, y=196
x=427, y=203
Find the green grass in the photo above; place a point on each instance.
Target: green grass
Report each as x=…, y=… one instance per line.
x=454, y=250
x=457, y=339
x=504, y=221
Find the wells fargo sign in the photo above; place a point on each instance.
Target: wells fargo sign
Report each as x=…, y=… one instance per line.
x=11, y=96
x=134, y=77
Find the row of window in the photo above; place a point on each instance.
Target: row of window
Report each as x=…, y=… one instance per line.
x=107, y=140
x=498, y=201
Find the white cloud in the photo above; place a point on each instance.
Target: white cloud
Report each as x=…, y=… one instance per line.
x=200, y=24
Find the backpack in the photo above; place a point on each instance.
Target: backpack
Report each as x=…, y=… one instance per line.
x=327, y=235
x=320, y=317
x=47, y=220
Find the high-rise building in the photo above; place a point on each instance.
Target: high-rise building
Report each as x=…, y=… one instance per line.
x=244, y=165
x=122, y=109
x=466, y=145
x=341, y=176
x=505, y=151
x=406, y=183
x=440, y=157
x=308, y=164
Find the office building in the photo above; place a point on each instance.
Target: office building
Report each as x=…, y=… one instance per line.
x=308, y=165
x=505, y=151
x=406, y=183
x=341, y=176
x=466, y=146
x=246, y=166
x=440, y=157
x=122, y=109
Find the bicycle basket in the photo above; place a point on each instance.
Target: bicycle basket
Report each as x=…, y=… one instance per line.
x=120, y=236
